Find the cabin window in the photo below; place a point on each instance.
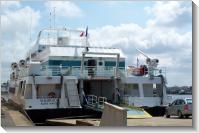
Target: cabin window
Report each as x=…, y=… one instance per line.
x=20, y=88
x=28, y=92
x=132, y=90
x=23, y=88
x=100, y=63
x=66, y=91
x=157, y=90
x=148, y=90
x=85, y=63
x=64, y=63
x=113, y=63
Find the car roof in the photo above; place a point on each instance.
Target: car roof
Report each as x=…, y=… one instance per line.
x=182, y=99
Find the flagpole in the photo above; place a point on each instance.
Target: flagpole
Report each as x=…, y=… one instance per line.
x=86, y=36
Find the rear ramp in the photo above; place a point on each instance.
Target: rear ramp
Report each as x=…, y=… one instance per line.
x=136, y=112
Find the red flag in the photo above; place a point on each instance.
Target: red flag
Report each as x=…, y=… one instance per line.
x=81, y=34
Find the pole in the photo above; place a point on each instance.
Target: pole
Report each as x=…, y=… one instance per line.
x=81, y=79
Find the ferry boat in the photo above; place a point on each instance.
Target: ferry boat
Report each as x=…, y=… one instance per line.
x=64, y=74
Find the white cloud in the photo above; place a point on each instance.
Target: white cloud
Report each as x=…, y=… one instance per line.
x=172, y=13
x=64, y=9
x=159, y=39
x=6, y=4
x=15, y=31
x=171, y=47
x=19, y=21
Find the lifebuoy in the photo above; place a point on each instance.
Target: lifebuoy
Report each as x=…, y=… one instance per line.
x=51, y=95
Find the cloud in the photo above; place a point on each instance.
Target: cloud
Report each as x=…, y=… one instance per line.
x=172, y=47
x=64, y=9
x=17, y=22
x=7, y=4
x=173, y=13
x=15, y=33
x=161, y=38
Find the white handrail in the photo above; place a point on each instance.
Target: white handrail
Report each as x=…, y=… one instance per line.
x=94, y=71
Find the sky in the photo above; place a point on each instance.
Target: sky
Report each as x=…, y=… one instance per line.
x=162, y=30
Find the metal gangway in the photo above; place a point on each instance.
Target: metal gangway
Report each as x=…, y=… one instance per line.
x=95, y=103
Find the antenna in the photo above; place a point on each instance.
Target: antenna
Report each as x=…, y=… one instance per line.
x=50, y=20
x=54, y=17
x=50, y=28
x=30, y=36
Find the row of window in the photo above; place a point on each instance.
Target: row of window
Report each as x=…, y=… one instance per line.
x=149, y=90
x=78, y=63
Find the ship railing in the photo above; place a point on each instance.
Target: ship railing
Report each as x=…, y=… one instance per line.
x=47, y=97
x=54, y=70
x=101, y=101
x=92, y=100
x=54, y=41
x=96, y=102
x=99, y=71
x=61, y=36
x=91, y=71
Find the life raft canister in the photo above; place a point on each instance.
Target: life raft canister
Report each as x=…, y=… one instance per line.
x=51, y=95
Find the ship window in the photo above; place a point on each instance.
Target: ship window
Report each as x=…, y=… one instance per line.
x=23, y=88
x=20, y=88
x=159, y=90
x=28, y=92
x=66, y=91
x=148, y=90
x=100, y=63
x=85, y=63
x=132, y=90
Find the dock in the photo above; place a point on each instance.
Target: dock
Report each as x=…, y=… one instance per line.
x=73, y=122
x=11, y=117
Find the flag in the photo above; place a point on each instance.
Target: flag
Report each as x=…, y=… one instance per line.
x=81, y=34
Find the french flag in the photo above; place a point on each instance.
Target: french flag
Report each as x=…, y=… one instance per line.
x=83, y=33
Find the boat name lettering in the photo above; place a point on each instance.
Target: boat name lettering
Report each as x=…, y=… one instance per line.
x=48, y=101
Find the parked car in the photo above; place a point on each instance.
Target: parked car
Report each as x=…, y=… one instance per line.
x=180, y=108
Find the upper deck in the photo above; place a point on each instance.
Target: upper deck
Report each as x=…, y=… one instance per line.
x=88, y=72
x=63, y=52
